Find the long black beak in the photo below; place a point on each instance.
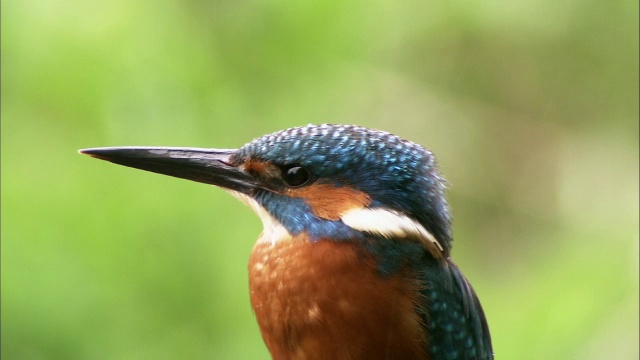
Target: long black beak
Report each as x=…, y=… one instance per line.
x=209, y=166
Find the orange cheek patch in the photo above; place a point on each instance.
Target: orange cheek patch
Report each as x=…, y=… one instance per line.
x=330, y=202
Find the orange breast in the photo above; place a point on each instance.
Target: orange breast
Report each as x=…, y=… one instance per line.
x=325, y=300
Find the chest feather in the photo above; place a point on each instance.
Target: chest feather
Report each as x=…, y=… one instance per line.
x=326, y=300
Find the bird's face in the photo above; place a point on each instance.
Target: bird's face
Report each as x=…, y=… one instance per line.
x=337, y=182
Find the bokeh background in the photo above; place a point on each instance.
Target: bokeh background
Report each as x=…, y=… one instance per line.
x=530, y=106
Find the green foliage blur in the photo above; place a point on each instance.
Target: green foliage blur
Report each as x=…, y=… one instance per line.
x=530, y=106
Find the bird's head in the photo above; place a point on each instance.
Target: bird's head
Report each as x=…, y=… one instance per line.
x=338, y=182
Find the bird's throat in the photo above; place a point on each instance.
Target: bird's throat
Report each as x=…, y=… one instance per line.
x=273, y=231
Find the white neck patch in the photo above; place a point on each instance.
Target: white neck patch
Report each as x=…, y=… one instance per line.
x=389, y=223
x=273, y=231
x=384, y=222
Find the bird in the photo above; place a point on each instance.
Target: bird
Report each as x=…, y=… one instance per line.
x=354, y=260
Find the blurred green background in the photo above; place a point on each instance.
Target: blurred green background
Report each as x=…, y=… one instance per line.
x=531, y=107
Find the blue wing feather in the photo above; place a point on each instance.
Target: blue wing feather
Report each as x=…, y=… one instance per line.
x=456, y=325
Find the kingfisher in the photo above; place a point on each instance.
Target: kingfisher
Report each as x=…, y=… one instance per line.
x=354, y=261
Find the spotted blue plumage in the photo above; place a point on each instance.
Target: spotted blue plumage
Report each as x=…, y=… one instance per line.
x=375, y=162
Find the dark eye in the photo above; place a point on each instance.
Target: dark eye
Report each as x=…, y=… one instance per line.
x=295, y=175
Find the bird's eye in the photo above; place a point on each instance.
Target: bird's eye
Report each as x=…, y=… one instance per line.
x=295, y=175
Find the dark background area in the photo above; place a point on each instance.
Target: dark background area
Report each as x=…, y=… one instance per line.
x=530, y=106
